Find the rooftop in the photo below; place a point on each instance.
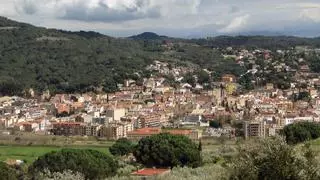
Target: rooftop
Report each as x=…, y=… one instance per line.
x=150, y=172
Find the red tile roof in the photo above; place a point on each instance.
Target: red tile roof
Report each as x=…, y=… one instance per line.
x=145, y=131
x=150, y=172
x=152, y=131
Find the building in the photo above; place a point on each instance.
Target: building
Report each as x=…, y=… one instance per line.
x=115, y=114
x=142, y=133
x=145, y=132
x=45, y=125
x=68, y=129
x=116, y=130
x=269, y=86
x=63, y=108
x=254, y=129
x=151, y=120
x=229, y=78
x=194, y=120
x=92, y=130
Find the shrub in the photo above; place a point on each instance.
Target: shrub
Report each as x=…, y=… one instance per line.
x=208, y=172
x=65, y=175
x=6, y=172
x=165, y=150
x=91, y=163
x=274, y=159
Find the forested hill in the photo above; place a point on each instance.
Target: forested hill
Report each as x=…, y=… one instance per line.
x=63, y=61
x=267, y=42
x=148, y=36
x=39, y=58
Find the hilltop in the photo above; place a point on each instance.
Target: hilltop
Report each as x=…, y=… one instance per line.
x=148, y=36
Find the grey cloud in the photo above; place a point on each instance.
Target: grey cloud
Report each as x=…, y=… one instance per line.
x=234, y=9
x=82, y=10
x=104, y=13
x=28, y=7
x=172, y=17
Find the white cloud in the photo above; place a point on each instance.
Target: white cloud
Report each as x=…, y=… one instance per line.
x=236, y=24
x=311, y=14
x=166, y=16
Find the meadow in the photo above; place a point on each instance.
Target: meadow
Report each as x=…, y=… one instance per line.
x=29, y=149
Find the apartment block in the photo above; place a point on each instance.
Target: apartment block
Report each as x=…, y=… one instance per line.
x=254, y=129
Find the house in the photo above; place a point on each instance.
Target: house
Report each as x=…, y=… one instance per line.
x=63, y=108
x=305, y=68
x=45, y=125
x=186, y=86
x=195, y=119
x=269, y=86
x=228, y=78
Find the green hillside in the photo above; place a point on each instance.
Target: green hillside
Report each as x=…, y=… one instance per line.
x=63, y=61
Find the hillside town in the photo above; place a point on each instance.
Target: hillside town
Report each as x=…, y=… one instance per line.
x=223, y=107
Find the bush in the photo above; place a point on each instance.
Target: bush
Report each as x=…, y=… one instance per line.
x=6, y=172
x=65, y=175
x=122, y=147
x=209, y=172
x=300, y=132
x=274, y=159
x=165, y=150
x=91, y=163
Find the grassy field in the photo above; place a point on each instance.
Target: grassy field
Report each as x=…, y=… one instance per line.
x=30, y=153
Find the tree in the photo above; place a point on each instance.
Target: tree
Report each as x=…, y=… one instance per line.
x=304, y=96
x=6, y=172
x=300, y=132
x=165, y=150
x=203, y=77
x=273, y=158
x=200, y=146
x=188, y=78
x=245, y=81
x=122, y=147
x=63, y=114
x=214, y=124
x=79, y=119
x=91, y=163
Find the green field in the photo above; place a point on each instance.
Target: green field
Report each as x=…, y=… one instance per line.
x=30, y=153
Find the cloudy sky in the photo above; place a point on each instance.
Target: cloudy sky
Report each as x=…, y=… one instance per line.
x=179, y=18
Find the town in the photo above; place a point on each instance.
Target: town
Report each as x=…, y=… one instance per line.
x=250, y=105
x=161, y=90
